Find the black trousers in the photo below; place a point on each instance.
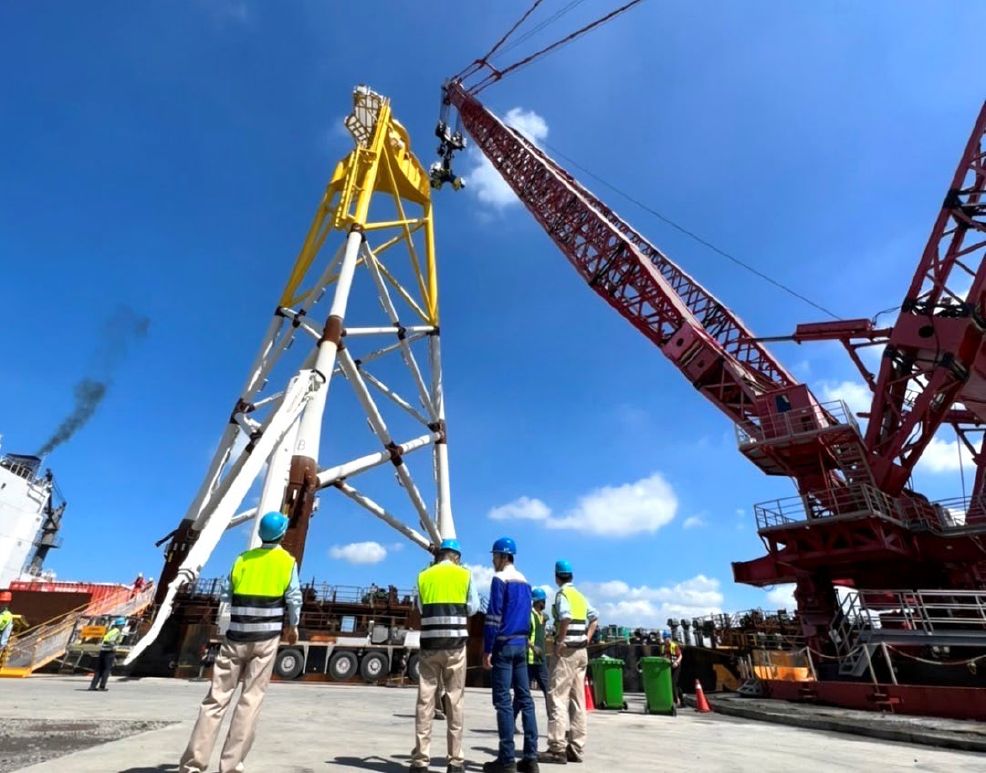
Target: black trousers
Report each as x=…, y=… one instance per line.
x=103, y=669
x=675, y=676
x=537, y=673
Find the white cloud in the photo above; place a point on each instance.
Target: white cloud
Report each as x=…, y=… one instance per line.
x=228, y=11
x=522, y=508
x=648, y=607
x=489, y=187
x=856, y=395
x=693, y=522
x=781, y=597
x=620, y=511
x=359, y=552
x=942, y=455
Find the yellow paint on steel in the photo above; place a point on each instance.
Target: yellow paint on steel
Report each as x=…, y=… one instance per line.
x=382, y=163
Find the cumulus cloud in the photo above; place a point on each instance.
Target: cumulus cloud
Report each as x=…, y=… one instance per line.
x=645, y=606
x=693, y=522
x=522, y=508
x=359, y=552
x=643, y=506
x=781, y=597
x=942, y=455
x=483, y=179
x=855, y=395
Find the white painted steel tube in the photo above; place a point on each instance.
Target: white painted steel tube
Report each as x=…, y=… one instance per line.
x=383, y=515
x=352, y=332
x=443, y=507
x=275, y=482
x=396, y=398
x=352, y=374
x=310, y=431
x=331, y=475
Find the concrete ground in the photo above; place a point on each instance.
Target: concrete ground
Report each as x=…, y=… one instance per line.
x=318, y=727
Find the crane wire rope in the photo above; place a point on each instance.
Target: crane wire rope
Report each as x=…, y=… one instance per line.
x=540, y=26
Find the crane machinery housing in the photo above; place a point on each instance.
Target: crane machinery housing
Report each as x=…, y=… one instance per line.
x=918, y=568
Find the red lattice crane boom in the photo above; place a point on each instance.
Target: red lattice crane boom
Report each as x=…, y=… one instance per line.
x=854, y=522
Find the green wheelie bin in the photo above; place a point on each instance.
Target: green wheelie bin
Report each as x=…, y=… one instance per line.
x=658, y=692
x=607, y=683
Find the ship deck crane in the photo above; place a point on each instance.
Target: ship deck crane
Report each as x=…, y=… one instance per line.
x=854, y=521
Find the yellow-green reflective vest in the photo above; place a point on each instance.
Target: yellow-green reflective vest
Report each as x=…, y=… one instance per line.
x=6, y=618
x=110, y=638
x=535, y=653
x=259, y=580
x=575, y=635
x=443, y=590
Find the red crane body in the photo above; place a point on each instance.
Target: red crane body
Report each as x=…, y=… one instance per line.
x=854, y=522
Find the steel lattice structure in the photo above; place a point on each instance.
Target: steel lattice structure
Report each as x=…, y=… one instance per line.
x=854, y=521
x=370, y=253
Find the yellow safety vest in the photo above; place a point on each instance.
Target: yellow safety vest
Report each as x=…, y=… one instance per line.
x=575, y=637
x=6, y=618
x=443, y=590
x=259, y=580
x=110, y=638
x=537, y=638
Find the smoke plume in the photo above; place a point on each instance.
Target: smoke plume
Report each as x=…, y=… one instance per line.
x=119, y=332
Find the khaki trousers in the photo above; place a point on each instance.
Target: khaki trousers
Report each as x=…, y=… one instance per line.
x=566, y=700
x=250, y=663
x=439, y=670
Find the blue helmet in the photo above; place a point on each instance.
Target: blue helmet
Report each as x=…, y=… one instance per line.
x=666, y=634
x=538, y=594
x=120, y=621
x=451, y=544
x=505, y=545
x=563, y=567
x=273, y=526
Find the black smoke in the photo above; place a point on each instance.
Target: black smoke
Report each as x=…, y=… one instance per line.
x=119, y=333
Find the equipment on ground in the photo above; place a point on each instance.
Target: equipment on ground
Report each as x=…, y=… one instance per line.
x=658, y=690
x=607, y=683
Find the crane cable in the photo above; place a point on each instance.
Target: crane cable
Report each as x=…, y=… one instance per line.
x=496, y=74
x=694, y=236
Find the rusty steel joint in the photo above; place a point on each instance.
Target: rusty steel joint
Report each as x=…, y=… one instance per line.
x=396, y=454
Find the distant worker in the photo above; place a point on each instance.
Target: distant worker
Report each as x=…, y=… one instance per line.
x=672, y=651
x=107, y=654
x=505, y=638
x=537, y=666
x=575, y=623
x=447, y=597
x=262, y=586
x=138, y=584
x=6, y=620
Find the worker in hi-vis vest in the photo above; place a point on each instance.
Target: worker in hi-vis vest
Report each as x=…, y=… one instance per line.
x=261, y=588
x=447, y=597
x=6, y=619
x=107, y=654
x=672, y=651
x=575, y=623
x=537, y=666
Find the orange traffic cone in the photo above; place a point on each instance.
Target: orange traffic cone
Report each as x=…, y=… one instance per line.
x=590, y=704
x=701, y=704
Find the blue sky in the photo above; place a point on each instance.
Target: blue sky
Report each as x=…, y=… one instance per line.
x=169, y=156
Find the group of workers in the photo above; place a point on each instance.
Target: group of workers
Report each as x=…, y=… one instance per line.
x=6, y=621
x=265, y=600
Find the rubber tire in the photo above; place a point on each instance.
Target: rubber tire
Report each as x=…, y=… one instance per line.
x=373, y=667
x=289, y=663
x=413, y=673
x=348, y=663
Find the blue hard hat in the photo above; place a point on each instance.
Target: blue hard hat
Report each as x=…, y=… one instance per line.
x=505, y=545
x=451, y=544
x=563, y=567
x=273, y=526
x=666, y=634
x=120, y=621
x=538, y=594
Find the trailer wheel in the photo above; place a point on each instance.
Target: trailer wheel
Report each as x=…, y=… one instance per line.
x=289, y=663
x=342, y=665
x=412, y=669
x=373, y=666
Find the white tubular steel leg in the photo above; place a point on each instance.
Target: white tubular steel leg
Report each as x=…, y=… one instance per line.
x=383, y=515
x=412, y=365
x=352, y=374
x=396, y=398
x=443, y=507
x=272, y=494
x=310, y=431
x=229, y=496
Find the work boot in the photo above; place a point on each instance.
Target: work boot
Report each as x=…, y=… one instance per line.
x=455, y=769
x=528, y=766
x=439, y=714
x=417, y=768
x=571, y=755
x=495, y=766
x=556, y=758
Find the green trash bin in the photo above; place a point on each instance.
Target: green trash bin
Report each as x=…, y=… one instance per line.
x=607, y=683
x=658, y=692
